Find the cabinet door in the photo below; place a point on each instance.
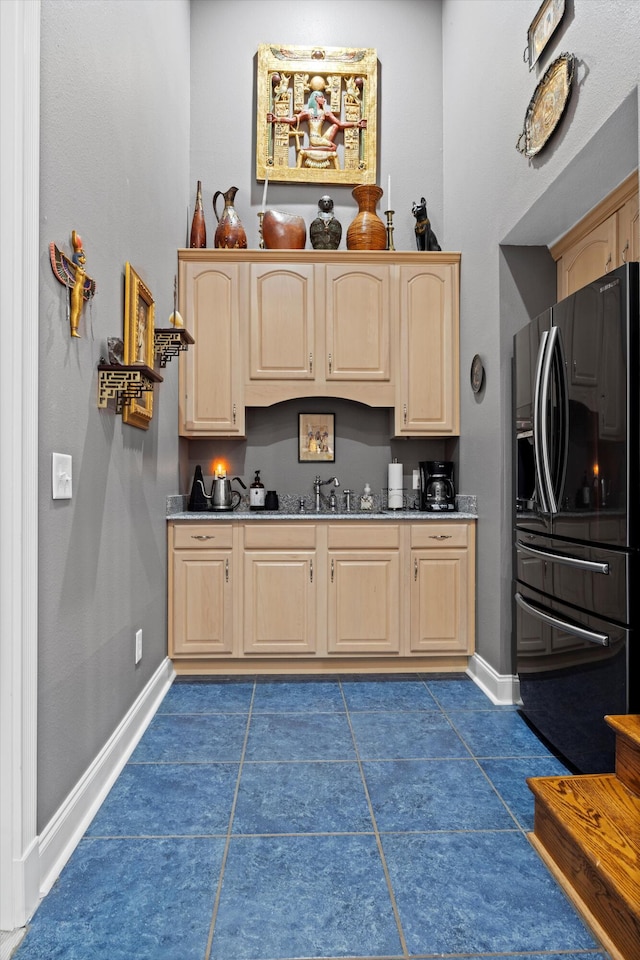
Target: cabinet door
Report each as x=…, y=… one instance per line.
x=211, y=399
x=427, y=402
x=364, y=602
x=201, y=620
x=280, y=604
x=629, y=231
x=358, y=321
x=282, y=325
x=589, y=258
x=440, y=602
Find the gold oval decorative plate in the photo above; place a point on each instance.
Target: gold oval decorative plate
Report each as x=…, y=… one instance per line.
x=547, y=105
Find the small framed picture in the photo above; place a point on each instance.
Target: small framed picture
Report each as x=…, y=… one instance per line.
x=316, y=437
x=542, y=26
x=138, y=342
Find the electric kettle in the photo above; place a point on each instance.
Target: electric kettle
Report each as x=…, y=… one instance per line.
x=436, y=485
x=223, y=497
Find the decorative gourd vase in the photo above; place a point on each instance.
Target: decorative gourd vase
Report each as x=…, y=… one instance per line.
x=230, y=234
x=283, y=231
x=198, y=227
x=367, y=231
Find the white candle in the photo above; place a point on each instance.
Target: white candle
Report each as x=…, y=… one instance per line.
x=389, y=207
x=264, y=192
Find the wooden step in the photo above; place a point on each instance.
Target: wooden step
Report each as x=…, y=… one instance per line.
x=627, y=731
x=589, y=828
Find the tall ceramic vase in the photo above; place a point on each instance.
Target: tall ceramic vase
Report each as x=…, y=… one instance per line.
x=367, y=231
x=198, y=228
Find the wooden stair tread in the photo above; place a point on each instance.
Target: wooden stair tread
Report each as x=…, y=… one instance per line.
x=626, y=725
x=602, y=817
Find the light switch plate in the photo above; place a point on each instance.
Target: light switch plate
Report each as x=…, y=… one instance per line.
x=61, y=479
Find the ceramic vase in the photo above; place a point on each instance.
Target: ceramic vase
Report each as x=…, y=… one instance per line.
x=198, y=228
x=367, y=231
x=230, y=234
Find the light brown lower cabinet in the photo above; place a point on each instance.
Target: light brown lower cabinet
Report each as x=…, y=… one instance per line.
x=304, y=594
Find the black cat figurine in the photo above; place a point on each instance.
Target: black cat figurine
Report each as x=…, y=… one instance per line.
x=425, y=237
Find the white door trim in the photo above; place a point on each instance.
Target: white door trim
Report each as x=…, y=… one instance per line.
x=19, y=271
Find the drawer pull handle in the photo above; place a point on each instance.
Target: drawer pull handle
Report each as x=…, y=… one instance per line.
x=310, y=363
x=332, y=571
x=226, y=570
x=415, y=569
x=202, y=536
x=440, y=536
x=311, y=571
x=330, y=363
x=404, y=413
x=234, y=414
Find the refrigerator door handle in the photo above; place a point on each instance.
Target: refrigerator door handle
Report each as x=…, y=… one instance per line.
x=590, y=635
x=594, y=565
x=538, y=425
x=545, y=381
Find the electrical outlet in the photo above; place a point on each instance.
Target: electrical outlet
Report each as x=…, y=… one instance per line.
x=416, y=479
x=61, y=479
x=138, y=646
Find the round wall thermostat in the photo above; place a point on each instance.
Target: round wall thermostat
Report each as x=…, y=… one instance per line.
x=477, y=374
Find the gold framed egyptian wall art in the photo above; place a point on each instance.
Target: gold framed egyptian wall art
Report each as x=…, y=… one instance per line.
x=139, y=310
x=317, y=114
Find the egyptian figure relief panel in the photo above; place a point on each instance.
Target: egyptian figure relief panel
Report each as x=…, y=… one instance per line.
x=317, y=114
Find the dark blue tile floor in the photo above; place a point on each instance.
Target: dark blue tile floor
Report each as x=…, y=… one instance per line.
x=273, y=819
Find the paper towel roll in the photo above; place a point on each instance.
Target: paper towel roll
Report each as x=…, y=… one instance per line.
x=395, y=486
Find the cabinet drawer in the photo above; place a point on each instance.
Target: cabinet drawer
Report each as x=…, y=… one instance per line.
x=436, y=535
x=206, y=535
x=350, y=536
x=269, y=536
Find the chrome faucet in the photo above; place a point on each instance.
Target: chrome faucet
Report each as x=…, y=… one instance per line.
x=319, y=497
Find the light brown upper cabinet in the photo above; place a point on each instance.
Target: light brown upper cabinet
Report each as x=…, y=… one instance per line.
x=211, y=396
x=428, y=382
x=376, y=327
x=606, y=238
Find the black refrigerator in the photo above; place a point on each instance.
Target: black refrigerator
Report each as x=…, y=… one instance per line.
x=576, y=551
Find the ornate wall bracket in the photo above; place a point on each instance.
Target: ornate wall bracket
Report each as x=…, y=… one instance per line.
x=124, y=383
x=168, y=342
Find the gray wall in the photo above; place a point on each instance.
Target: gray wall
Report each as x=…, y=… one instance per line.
x=494, y=196
x=114, y=167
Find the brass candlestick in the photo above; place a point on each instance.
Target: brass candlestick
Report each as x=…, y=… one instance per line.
x=389, y=215
x=260, y=219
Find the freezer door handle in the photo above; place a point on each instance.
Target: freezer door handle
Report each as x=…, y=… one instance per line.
x=593, y=565
x=590, y=635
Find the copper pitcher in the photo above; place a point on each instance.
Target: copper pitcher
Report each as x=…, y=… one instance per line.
x=230, y=233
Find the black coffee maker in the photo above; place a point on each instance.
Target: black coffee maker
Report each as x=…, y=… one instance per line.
x=437, y=491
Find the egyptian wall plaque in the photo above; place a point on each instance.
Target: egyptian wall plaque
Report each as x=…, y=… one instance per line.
x=317, y=114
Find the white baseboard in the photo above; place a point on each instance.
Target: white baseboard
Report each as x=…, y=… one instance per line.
x=64, y=831
x=502, y=689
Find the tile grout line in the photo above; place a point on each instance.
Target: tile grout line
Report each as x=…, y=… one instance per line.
x=376, y=832
x=216, y=902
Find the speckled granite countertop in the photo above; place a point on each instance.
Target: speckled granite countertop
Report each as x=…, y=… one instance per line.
x=289, y=510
